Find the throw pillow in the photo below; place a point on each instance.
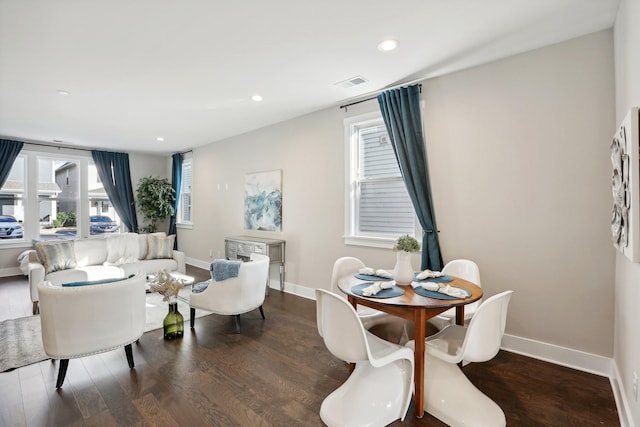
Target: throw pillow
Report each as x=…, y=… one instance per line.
x=92, y=282
x=160, y=247
x=56, y=256
x=122, y=248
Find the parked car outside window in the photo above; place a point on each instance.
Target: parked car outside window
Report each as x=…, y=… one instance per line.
x=10, y=228
x=102, y=224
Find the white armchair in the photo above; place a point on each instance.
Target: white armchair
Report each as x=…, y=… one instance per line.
x=235, y=295
x=80, y=321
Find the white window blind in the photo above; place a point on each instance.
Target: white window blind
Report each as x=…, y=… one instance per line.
x=379, y=205
x=184, y=204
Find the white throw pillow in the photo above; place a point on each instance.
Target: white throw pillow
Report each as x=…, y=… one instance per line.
x=122, y=248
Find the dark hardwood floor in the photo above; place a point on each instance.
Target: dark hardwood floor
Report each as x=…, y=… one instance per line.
x=275, y=373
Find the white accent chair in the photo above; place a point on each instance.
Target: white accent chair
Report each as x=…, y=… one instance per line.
x=80, y=321
x=349, y=266
x=449, y=395
x=379, y=390
x=236, y=295
x=469, y=271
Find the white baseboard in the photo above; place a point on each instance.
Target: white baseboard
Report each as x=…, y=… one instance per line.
x=10, y=271
x=563, y=356
x=622, y=403
x=197, y=263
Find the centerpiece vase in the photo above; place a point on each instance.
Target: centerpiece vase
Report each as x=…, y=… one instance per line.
x=173, y=322
x=403, y=271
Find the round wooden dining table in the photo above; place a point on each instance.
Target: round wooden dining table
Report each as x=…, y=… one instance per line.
x=418, y=309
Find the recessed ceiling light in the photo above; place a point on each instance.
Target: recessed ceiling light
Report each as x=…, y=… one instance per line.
x=159, y=138
x=388, y=45
x=62, y=92
x=256, y=98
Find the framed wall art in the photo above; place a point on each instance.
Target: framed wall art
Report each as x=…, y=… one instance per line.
x=263, y=201
x=625, y=187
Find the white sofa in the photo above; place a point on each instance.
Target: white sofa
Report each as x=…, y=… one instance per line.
x=95, y=260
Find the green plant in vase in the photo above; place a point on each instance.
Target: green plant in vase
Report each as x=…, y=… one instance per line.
x=406, y=243
x=403, y=271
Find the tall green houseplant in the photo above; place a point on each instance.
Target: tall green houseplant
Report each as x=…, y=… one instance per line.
x=155, y=200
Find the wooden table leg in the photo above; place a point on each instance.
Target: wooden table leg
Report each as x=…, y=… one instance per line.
x=420, y=332
x=460, y=315
x=354, y=303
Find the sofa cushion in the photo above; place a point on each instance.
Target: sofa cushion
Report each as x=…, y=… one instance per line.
x=92, y=251
x=56, y=255
x=92, y=282
x=160, y=247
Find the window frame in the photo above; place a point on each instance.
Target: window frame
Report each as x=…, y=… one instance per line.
x=180, y=221
x=352, y=236
x=30, y=200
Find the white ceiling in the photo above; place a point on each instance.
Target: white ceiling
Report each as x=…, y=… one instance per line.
x=136, y=70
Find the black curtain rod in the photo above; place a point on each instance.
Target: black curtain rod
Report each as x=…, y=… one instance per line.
x=345, y=106
x=57, y=146
x=78, y=148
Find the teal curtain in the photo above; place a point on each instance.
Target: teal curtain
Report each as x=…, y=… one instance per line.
x=114, y=172
x=176, y=184
x=401, y=113
x=9, y=150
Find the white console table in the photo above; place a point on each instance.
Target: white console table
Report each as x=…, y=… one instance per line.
x=241, y=247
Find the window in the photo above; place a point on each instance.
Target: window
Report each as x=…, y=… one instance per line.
x=184, y=204
x=12, y=196
x=379, y=209
x=54, y=196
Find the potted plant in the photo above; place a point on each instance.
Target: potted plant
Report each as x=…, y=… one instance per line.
x=403, y=271
x=155, y=200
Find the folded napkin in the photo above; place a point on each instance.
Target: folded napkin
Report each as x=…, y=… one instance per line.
x=428, y=274
x=443, y=289
x=376, y=287
x=372, y=272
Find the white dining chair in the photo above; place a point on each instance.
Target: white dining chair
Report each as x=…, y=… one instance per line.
x=449, y=395
x=346, y=266
x=469, y=271
x=379, y=390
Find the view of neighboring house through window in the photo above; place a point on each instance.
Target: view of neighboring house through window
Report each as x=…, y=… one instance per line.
x=102, y=215
x=59, y=198
x=58, y=193
x=379, y=209
x=184, y=203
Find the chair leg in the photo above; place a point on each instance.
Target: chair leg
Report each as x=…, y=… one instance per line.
x=237, y=316
x=36, y=309
x=192, y=320
x=62, y=371
x=129, y=352
x=262, y=313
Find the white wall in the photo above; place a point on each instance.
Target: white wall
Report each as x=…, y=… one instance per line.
x=627, y=282
x=519, y=158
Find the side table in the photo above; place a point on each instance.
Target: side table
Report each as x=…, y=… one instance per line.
x=241, y=247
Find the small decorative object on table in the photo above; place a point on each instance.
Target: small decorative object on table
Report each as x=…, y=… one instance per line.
x=168, y=286
x=403, y=271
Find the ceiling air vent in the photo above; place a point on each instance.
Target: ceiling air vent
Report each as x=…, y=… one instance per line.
x=353, y=81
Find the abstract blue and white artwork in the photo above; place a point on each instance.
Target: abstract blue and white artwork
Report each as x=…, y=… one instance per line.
x=263, y=201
